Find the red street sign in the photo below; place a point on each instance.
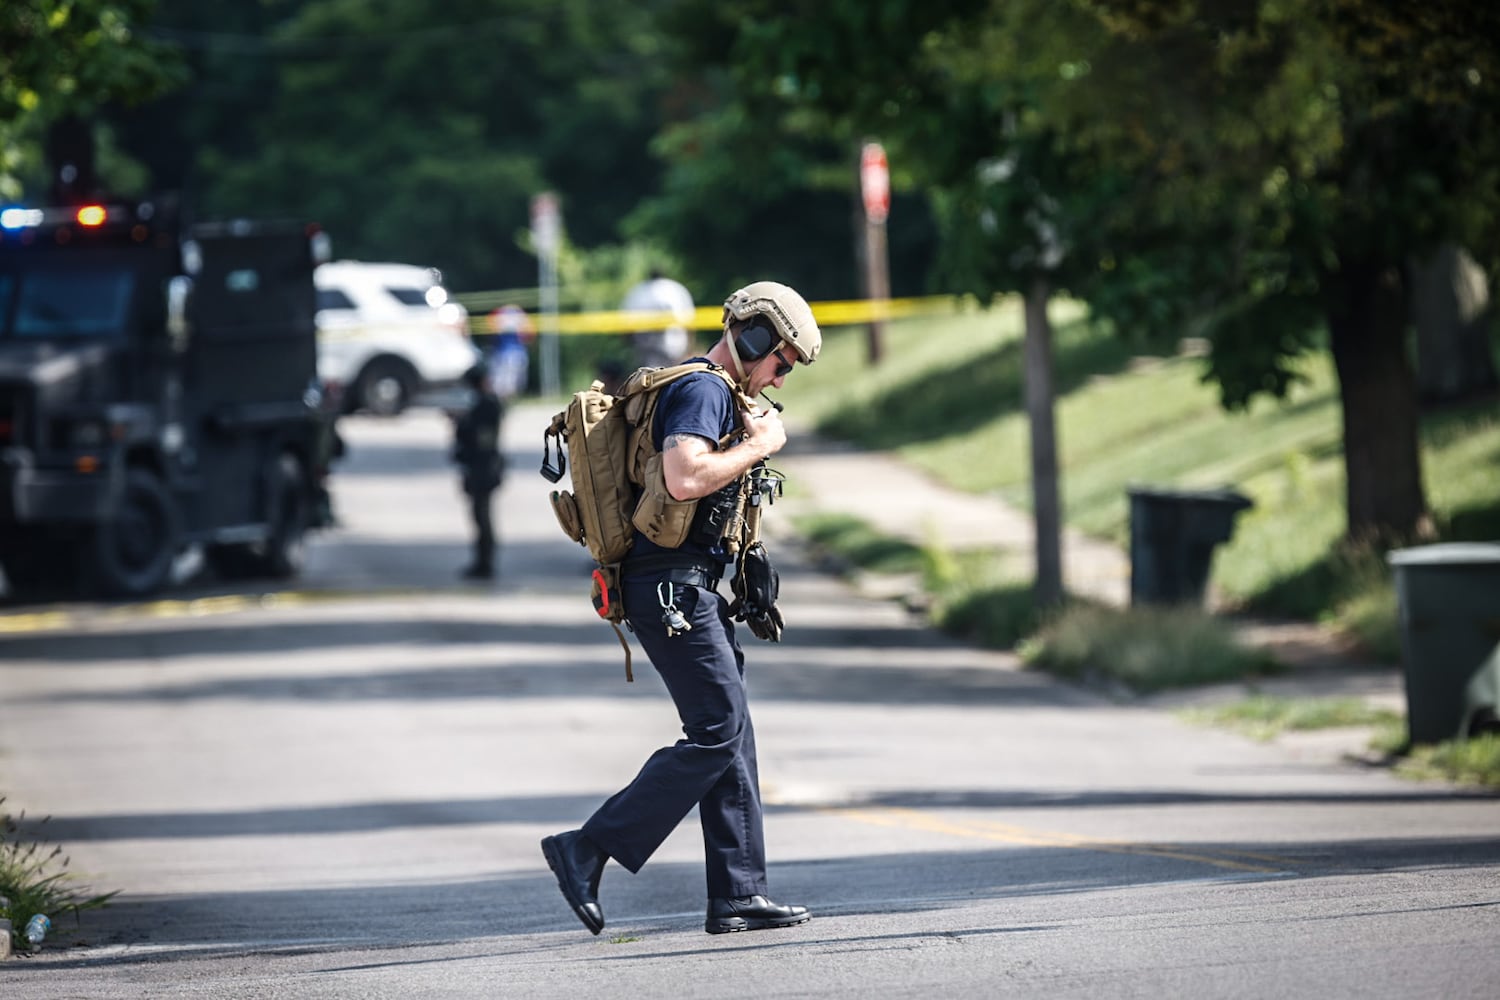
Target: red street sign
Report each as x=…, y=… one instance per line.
x=546, y=226
x=874, y=182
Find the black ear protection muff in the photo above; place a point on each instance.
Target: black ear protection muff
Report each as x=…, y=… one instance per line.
x=757, y=340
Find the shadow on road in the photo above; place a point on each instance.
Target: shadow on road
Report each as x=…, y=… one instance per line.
x=401, y=916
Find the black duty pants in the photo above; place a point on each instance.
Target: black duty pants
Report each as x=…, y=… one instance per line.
x=712, y=767
x=481, y=509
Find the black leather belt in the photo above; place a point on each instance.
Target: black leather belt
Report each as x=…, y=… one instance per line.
x=672, y=569
x=691, y=578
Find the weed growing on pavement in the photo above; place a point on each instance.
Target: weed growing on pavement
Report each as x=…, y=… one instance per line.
x=34, y=879
x=1473, y=761
x=1145, y=649
x=1264, y=717
x=1389, y=739
x=1469, y=762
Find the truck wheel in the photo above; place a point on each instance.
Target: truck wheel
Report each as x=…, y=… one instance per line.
x=385, y=387
x=133, y=548
x=288, y=515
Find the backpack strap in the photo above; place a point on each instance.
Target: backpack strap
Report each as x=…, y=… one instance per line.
x=629, y=676
x=647, y=379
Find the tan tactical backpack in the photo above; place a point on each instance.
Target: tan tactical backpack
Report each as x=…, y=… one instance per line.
x=617, y=482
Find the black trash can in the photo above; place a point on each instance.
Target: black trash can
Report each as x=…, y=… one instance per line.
x=1172, y=538
x=1448, y=603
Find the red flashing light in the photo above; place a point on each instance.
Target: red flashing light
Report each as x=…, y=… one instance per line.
x=91, y=215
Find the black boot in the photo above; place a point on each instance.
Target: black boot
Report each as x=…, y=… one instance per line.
x=578, y=863
x=751, y=913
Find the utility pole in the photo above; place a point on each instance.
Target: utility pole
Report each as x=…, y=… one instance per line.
x=546, y=235
x=875, y=190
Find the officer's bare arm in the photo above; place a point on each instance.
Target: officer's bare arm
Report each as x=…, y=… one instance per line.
x=694, y=467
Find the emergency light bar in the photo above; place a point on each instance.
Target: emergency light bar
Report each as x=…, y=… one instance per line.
x=21, y=218
x=91, y=216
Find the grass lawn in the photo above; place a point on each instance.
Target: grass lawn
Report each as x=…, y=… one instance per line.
x=948, y=398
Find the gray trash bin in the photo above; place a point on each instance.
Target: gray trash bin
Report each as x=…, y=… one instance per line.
x=1173, y=534
x=1448, y=602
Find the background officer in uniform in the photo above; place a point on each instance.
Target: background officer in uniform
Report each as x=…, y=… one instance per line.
x=670, y=343
x=768, y=329
x=476, y=449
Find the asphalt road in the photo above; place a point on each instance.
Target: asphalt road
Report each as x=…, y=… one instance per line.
x=338, y=792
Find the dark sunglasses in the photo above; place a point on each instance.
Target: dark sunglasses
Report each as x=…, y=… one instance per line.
x=783, y=366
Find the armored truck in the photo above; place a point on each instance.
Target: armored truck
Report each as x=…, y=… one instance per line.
x=158, y=391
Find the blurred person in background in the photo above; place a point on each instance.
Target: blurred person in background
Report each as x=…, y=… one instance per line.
x=509, y=358
x=658, y=347
x=476, y=450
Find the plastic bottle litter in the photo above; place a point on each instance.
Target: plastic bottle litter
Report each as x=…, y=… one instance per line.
x=37, y=928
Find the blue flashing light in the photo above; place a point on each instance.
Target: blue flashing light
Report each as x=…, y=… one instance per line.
x=21, y=218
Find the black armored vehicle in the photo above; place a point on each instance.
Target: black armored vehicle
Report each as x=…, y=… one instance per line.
x=157, y=391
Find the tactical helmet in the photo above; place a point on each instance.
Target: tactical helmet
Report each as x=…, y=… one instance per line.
x=788, y=312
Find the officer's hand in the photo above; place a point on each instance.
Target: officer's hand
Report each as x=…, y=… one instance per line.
x=767, y=625
x=765, y=432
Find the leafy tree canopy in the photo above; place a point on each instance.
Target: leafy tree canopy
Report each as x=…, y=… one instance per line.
x=61, y=57
x=1240, y=168
x=411, y=129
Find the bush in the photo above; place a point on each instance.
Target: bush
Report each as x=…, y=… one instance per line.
x=857, y=544
x=997, y=617
x=1145, y=649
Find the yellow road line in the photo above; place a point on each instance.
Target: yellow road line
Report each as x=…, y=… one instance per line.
x=35, y=621
x=196, y=607
x=1005, y=833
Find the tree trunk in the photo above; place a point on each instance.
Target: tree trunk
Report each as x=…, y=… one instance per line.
x=1047, y=509
x=1451, y=309
x=1366, y=311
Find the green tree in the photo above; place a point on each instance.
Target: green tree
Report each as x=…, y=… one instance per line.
x=1348, y=135
x=1016, y=209
x=61, y=58
x=1244, y=169
x=757, y=187
x=231, y=72
x=416, y=130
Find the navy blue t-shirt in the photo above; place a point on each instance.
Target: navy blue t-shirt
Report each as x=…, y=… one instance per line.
x=701, y=405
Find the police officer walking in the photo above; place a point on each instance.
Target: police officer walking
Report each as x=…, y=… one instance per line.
x=476, y=450
x=687, y=628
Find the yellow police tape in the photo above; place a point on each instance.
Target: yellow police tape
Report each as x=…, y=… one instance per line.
x=828, y=314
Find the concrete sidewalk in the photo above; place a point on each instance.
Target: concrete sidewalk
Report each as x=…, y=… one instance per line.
x=899, y=500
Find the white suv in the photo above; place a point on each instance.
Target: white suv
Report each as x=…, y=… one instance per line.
x=387, y=332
